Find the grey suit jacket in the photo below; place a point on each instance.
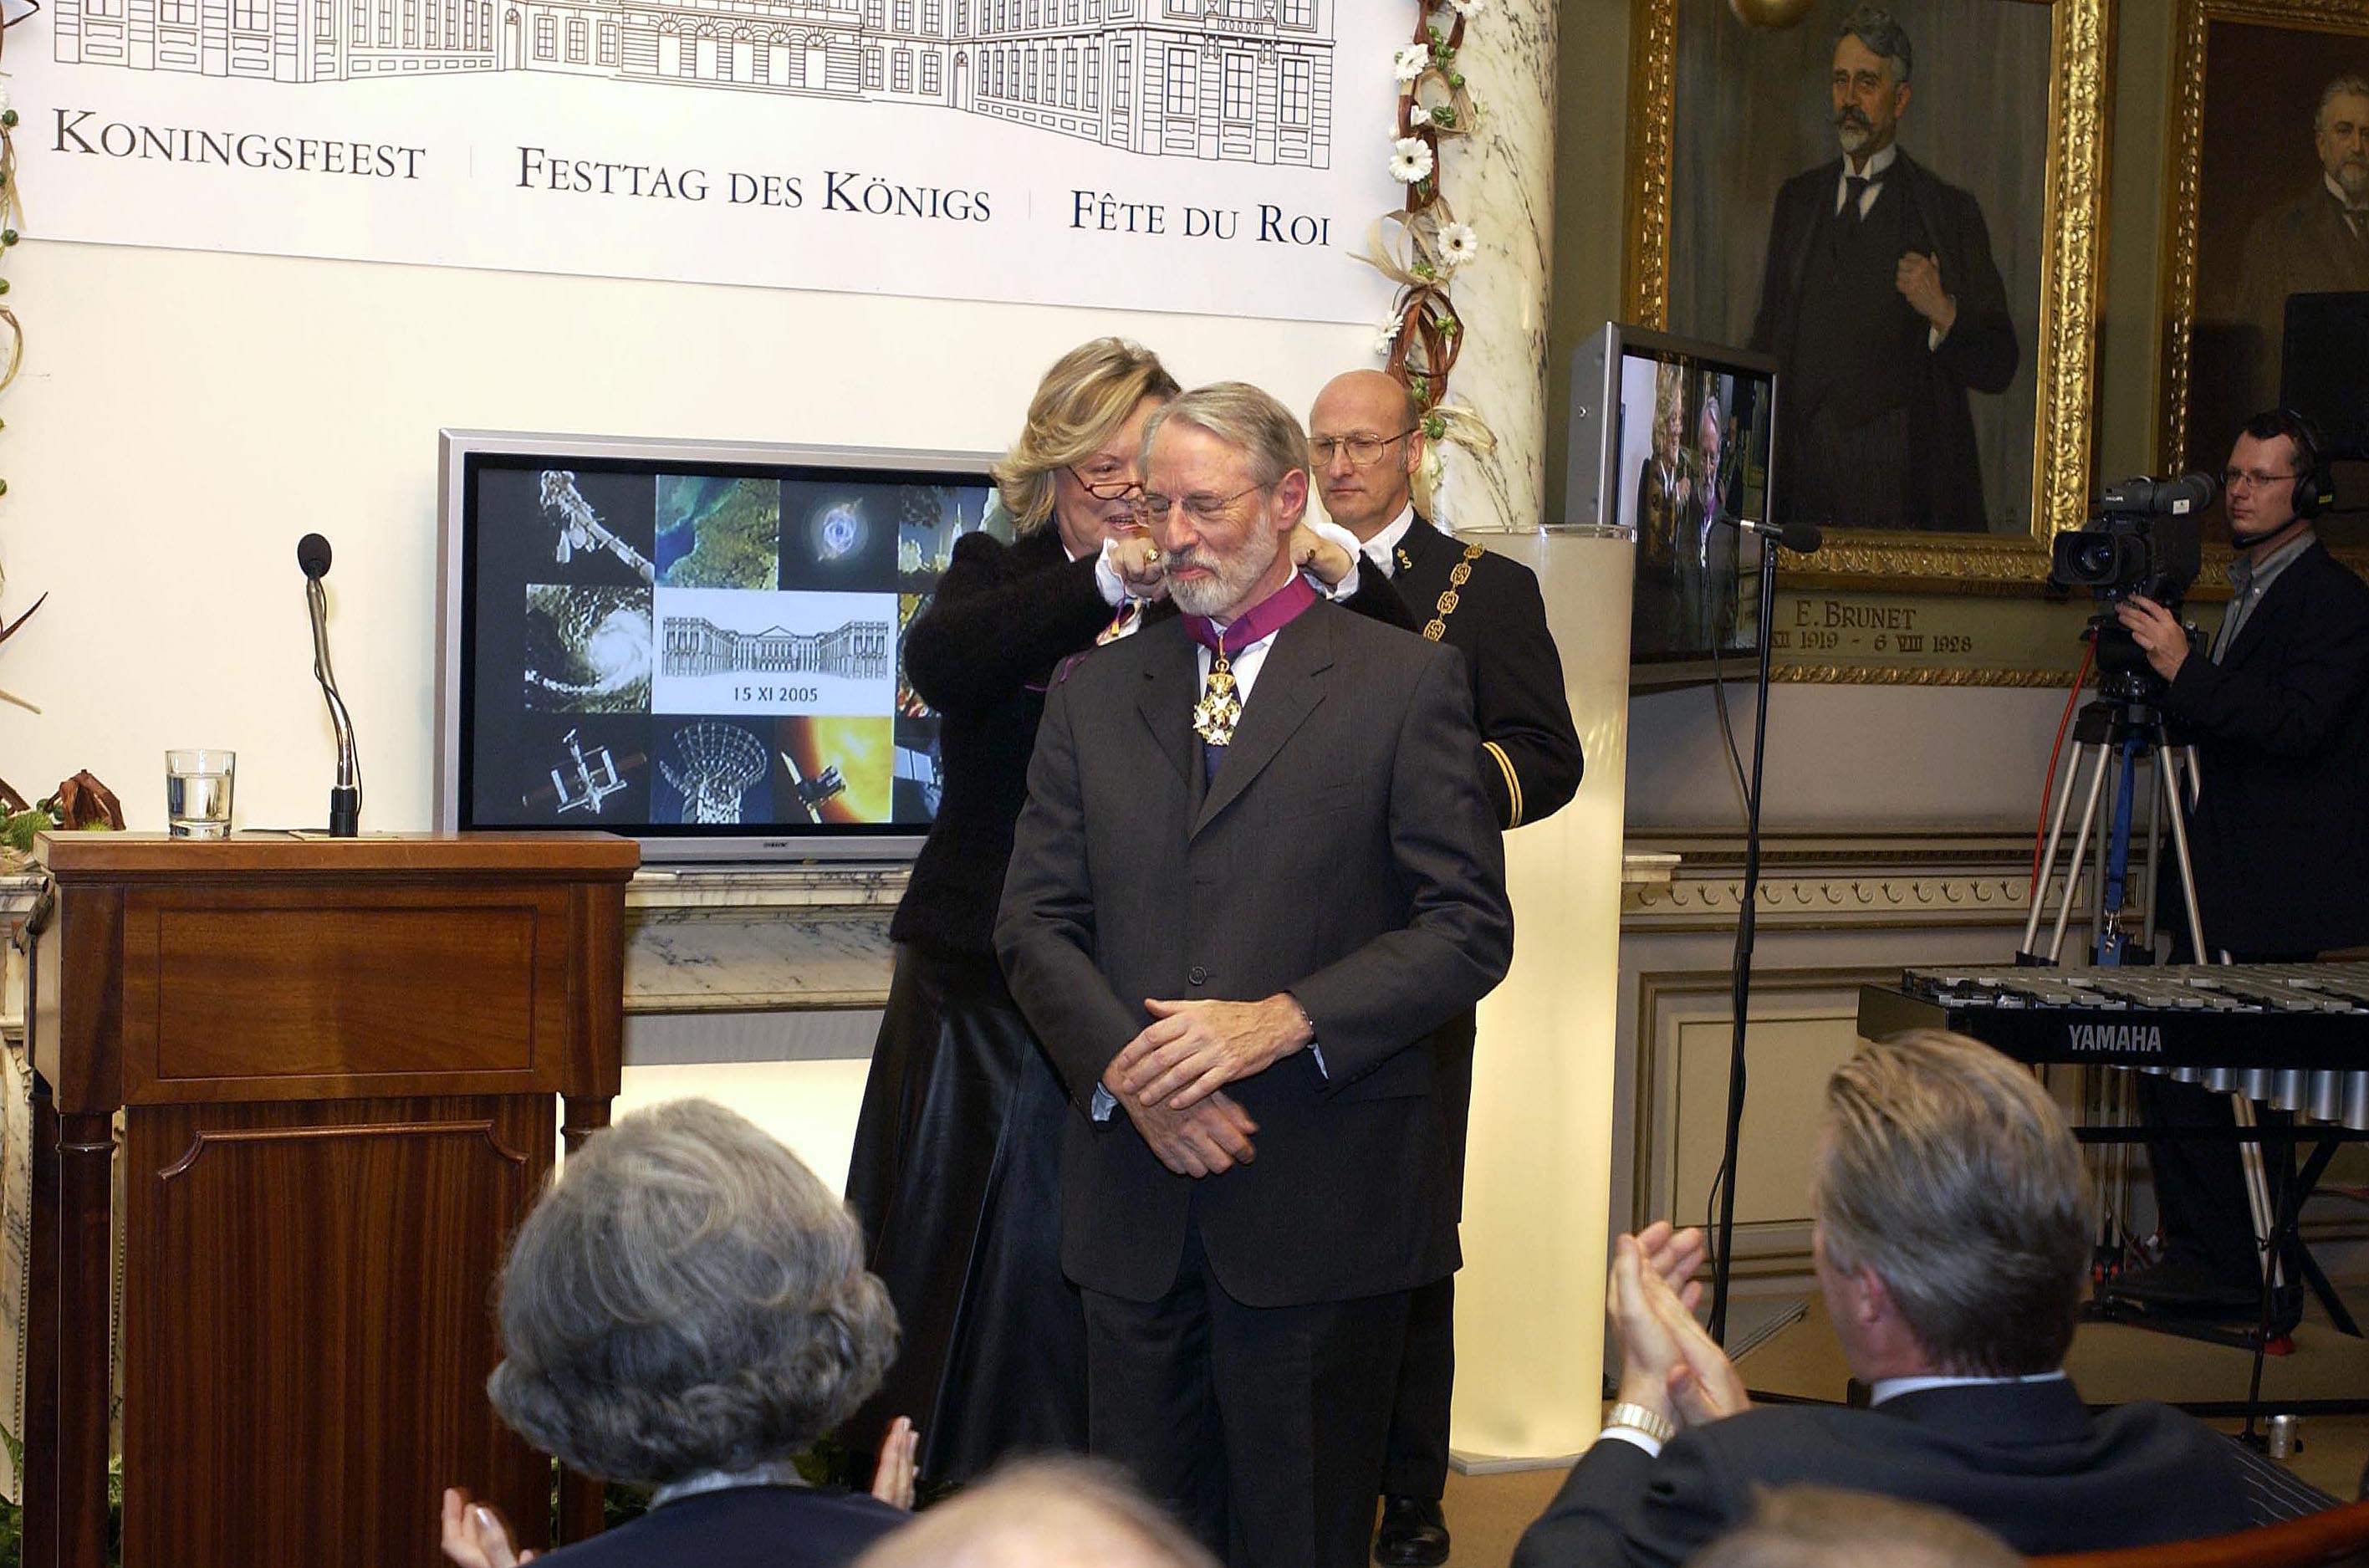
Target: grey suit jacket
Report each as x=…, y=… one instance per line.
x=1345, y=852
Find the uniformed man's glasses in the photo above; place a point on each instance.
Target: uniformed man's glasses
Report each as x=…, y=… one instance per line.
x=1364, y=450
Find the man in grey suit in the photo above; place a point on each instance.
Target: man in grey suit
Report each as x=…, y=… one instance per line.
x=1256, y=870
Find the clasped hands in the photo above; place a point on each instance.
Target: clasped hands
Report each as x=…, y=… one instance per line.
x=1668, y=1362
x=1169, y=1077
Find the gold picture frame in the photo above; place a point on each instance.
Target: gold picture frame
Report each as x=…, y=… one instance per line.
x=2195, y=286
x=2063, y=352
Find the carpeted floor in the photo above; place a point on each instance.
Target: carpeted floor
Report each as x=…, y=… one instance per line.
x=1487, y=1514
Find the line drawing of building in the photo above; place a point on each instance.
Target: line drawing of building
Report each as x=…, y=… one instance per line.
x=1236, y=80
x=695, y=645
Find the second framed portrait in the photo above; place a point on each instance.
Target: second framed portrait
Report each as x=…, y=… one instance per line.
x=2266, y=243
x=1902, y=205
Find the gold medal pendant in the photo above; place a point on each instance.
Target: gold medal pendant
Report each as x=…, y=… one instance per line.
x=1219, y=709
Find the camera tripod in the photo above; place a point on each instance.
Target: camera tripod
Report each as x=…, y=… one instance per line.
x=2119, y=728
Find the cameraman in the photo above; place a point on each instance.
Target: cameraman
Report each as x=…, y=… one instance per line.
x=2279, y=711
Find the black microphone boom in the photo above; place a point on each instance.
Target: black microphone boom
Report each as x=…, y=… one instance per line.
x=1802, y=538
x=346, y=799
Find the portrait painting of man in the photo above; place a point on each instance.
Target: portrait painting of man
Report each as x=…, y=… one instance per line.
x=1862, y=196
x=2281, y=209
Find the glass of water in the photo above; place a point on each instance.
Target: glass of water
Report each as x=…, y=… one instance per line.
x=197, y=791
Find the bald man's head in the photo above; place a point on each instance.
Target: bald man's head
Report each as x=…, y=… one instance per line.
x=1046, y=1514
x=1365, y=438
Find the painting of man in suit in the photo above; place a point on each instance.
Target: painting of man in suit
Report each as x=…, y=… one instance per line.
x=2318, y=243
x=2281, y=209
x=1864, y=196
x=1886, y=309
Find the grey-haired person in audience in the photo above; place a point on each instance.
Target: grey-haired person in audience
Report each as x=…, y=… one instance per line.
x=686, y=1309
x=1824, y=1527
x=1060, y=1513
x=1950, y=1241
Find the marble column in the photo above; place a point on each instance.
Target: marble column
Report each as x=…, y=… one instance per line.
x=1501, y=180
x=1530, y=1299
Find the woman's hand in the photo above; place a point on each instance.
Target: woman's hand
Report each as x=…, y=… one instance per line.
x=1137, y=561
x=1319, y=556
x=473, y=1535
x=892, y=1479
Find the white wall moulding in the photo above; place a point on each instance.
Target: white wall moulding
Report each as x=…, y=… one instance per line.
x=1838, y=910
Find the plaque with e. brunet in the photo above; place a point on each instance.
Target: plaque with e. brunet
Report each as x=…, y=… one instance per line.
x=1904, y=205
x=1926, y=639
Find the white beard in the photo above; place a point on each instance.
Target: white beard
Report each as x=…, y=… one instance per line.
x=1228, y=580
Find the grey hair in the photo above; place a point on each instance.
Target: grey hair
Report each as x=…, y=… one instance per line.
x=1243, y=416
x=1820, y=1527
x=687, y=1297
x=2343, y=86
x=1885, y=38
x=1057, y=1513
x=1949, y=1171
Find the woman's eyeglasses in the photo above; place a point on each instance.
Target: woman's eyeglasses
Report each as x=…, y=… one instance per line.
x=1112, y=487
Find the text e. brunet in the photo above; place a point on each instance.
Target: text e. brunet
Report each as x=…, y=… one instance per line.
x=233, y=149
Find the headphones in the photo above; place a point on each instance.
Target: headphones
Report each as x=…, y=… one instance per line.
x=2314, y=484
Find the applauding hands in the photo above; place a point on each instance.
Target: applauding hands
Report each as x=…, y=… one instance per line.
x=1669, y=1365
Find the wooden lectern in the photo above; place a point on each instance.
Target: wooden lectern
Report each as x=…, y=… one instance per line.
x=337, y=1062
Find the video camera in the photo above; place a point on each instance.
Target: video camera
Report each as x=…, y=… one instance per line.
x=2143, y=538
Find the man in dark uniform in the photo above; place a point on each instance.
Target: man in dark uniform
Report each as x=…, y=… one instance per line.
x=1365, y=442
x=2318, y=243
x=1883, y=306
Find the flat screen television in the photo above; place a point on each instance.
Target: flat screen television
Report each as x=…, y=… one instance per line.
x=696, y=643
x=1671, y=438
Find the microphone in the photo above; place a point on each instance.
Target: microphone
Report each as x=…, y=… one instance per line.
x=346, y=799
x=1802, y=538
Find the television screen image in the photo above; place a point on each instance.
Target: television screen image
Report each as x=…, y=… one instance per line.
x=1671, y=440
x=697, y=644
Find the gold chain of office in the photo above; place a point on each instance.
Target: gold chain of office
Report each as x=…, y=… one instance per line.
x=1451, y=597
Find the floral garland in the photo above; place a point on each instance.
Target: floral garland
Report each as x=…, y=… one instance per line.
x=1423, y=246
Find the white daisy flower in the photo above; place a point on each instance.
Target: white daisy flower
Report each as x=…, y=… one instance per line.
x=1458, y=244
x=1386, y=335
x=1410, y=62
x=1410, y=159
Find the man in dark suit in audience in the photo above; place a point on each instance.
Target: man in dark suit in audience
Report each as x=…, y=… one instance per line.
x=1952, y=1247
x=1366, y=442
x=1243, y=917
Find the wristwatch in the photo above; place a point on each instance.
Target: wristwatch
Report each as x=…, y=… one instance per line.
x=1652, y=1423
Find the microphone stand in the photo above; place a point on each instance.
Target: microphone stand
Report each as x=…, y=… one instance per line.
x=346, y=798
x=1740, y=984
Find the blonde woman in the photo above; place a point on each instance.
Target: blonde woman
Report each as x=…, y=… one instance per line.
x=955, y=1173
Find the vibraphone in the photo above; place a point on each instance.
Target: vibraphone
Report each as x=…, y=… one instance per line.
x=2292, y=1036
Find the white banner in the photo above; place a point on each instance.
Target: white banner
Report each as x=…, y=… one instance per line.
x=1221, y=157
